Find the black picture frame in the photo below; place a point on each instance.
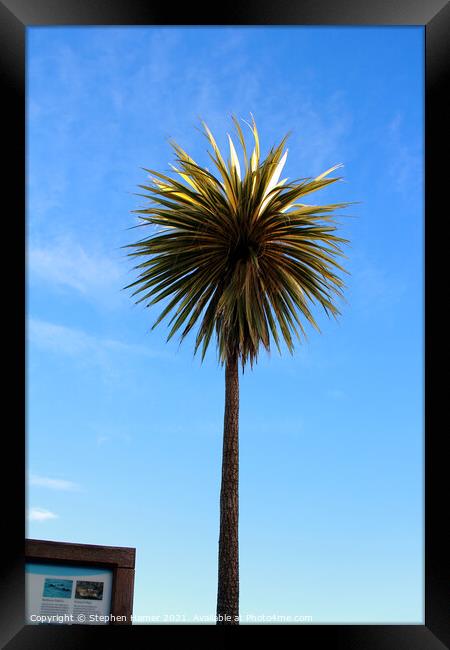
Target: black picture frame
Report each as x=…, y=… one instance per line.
x=434, y=15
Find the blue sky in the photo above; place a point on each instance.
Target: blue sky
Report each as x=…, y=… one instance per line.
x=123, y=430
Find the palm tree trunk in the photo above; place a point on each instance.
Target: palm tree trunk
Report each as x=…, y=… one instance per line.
x=228, y=589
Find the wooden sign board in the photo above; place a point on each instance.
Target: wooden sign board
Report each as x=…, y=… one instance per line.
x=78, y=584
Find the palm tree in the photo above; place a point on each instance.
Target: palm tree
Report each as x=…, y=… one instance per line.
x=238, y=254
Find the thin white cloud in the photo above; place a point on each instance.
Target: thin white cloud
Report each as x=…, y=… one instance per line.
x=40, y=514
x=114, y=437
x=53, y=483
x=405, y=160
x=336, y=393
x=66, y=264
x=58, y=338
x=77, y=343
x=373, y=288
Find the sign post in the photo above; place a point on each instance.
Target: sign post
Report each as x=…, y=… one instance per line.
x=78, y=584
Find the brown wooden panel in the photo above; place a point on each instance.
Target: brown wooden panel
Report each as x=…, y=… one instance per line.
x=84, y=553
x=122, y=599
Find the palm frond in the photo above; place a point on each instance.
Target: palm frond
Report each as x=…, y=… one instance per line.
x=235, y=252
